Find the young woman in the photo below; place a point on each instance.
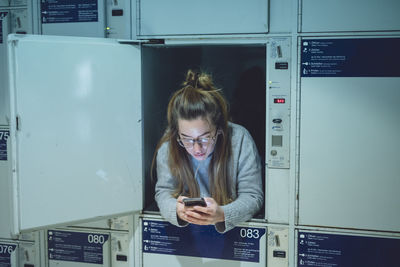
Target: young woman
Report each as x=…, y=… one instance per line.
x=203, y=155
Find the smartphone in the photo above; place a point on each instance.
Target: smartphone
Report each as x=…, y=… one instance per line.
x=196, y=201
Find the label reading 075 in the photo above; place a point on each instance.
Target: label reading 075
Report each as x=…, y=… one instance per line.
x=4, y=134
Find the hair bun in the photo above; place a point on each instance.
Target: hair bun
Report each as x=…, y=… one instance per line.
x=198, y=80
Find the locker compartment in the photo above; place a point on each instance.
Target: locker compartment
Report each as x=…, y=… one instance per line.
x=349, y=133
x=346, y=249
x=178, y=17
x=240, y=70
x=355, y=15
x=245, y=245
x=16, y=253
x=255, y=79
x=86, y=247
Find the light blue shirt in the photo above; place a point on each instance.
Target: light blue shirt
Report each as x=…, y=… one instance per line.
x=200, y=170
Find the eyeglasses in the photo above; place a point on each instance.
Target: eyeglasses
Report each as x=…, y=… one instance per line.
x=202, y=141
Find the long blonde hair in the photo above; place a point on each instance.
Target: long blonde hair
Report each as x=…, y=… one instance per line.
x=198, y=98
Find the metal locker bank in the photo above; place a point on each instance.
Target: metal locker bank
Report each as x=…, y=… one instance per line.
x=83, y=104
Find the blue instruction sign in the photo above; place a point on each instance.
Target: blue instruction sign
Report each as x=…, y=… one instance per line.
x=4, y=134
x=5, y=254
x=357, y=57
x=65, y=11
x=76, y=246
x=331, y=250
x=239, y=244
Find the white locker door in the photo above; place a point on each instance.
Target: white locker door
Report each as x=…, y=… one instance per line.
x=179, y=17
x=349, y=133
x=76, y=129
x=355, y=15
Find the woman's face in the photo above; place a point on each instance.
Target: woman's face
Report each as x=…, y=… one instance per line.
x=196, y=136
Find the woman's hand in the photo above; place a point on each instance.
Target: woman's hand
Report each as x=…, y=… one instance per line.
x=180, y=208
x=211, y=214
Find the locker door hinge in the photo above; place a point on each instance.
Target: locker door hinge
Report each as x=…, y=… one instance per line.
x=137, y=42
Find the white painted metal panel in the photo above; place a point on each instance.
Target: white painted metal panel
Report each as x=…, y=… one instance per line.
x=180, y=17
x=349, y=153
x=77, y=151
x=280, y=14
x=4, y=31
x=118, y=19
x=344, y=15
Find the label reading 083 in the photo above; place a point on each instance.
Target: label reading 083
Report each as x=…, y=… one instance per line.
x=249, y=233
x=238, y=244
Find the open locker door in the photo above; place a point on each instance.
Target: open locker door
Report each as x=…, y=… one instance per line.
x=76, y=132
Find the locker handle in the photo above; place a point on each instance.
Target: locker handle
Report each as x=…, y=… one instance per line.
x=17, y=120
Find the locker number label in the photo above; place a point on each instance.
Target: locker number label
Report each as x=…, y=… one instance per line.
x=96, y=239
x=73, y=246
x=238, y=244
x=6, y=249
x=249, y=233
x=4, y=135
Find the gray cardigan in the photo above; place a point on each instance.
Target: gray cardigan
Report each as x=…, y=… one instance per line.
x=246, y=184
